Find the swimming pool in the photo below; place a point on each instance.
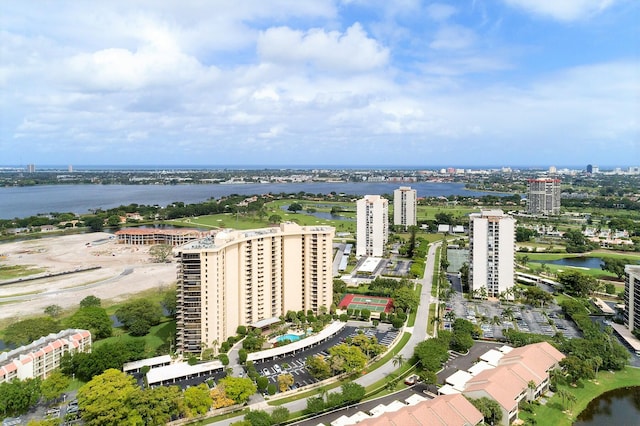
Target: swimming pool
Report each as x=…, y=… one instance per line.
x=289, y=337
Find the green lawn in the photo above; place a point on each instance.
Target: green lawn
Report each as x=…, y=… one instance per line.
x=552, y=413
x=18, y=271
x=157, y=336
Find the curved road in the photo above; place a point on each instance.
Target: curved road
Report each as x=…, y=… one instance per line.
x=418, y=334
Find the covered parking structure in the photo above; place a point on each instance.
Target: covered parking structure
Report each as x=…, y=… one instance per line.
x=171, y=374
x=292, y=348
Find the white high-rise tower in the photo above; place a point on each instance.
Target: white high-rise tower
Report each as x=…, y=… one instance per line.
x=404, y=206
x=492, y=252
x=372, y=225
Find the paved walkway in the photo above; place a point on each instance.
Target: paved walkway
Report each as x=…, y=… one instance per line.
x=418, y=334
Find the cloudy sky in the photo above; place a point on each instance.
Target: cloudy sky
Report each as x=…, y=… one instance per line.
x=343, y=82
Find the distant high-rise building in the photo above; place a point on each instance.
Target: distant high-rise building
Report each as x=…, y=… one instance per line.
x=249, y=277
x=31, y=168
x=404, y=206
x=491, y=252
x=553, y=170
x=70, y=168
x=544, y=196
x=595, y=169
x=372, y=224
x=632, y=297
x=589, y=168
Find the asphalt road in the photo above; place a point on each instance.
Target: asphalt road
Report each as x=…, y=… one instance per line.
x=418, y=334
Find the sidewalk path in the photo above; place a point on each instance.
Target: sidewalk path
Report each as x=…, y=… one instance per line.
x=418, y=334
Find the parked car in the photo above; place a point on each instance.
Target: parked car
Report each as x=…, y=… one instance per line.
x=411, y=380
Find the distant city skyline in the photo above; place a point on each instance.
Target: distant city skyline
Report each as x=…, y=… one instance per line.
x=515, y=83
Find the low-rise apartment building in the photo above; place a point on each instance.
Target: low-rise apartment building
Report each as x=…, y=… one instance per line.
x=39, y=358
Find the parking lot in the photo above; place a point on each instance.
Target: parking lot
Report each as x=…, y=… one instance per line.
x=295, y=364
x=494, y=316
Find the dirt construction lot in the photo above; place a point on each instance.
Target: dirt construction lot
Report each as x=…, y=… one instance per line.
x=122, y=270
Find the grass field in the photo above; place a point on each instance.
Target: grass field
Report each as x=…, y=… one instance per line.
x=18, y=271
x=552, y=413
x=157, y=336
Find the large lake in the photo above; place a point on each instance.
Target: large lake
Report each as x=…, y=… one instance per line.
x=33, y=200
x=618, y=407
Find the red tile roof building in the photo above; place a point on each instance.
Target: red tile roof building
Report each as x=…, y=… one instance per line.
x=509, y=382
x=41, y=357
x=449, y=410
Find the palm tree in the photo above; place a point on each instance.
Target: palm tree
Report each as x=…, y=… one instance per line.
x=508, y=313
x=597, y=363
x=496, y=320
x=563, y=394
x=532, y=387
x=398, y=360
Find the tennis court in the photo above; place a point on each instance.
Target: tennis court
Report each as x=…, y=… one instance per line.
x=372, y=303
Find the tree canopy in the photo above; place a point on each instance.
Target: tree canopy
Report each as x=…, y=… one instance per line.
x=26, y=331
x=576, y=283
x=139, y=315
x=238, y=389
x=107, y=399
x=92, y=318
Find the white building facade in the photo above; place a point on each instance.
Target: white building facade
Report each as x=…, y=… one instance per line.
x=632, y=297
x=405, y=206
x=372, y=226
x=242, y=277
x=39, y=358
x=492, y=252
x=544, y=196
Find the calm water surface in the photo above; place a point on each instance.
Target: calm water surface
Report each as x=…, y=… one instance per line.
x=33, y=200
x=619, y=407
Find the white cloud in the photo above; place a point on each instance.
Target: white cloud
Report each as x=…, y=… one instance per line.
x=453, y=37
x=563, y=10
x=351, y=51
x=440, y=11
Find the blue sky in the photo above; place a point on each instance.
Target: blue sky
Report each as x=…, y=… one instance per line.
x=351, y=82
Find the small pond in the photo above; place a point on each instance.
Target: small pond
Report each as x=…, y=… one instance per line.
x=321, y=215
x=577, y=262
x=616, y=407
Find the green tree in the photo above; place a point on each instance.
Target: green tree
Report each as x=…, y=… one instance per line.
x=350, y=358
x=26, y=331
x=90, y=301
x=576, y=242
x=274, y=218
x=197, y=400
x=160, y=253
x=398, y=360
x=170, y=302
x=352, y=392
x=576, y=283
x=315, y=405
x=238, y=388
x=92, y=318
x=18, y=396
x=318, y=367
x=279, y=415
x=95, y=223
x=106, y=399
x=615, y=265
x=54, y=385
x=404, y=298
x=295, y=207
x=524, y=234
x=258, y=418
x=156, y=406
x=489, y=408
x=53, y=311
x=139, y=315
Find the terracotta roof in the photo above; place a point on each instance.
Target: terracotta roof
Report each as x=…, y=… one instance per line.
x=450, y=410
x=538, y=357
x=501, y=384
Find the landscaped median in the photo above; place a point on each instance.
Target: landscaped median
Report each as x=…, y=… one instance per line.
x=557, y=412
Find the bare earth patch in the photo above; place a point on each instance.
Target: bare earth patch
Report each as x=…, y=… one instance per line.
x=122, y=270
